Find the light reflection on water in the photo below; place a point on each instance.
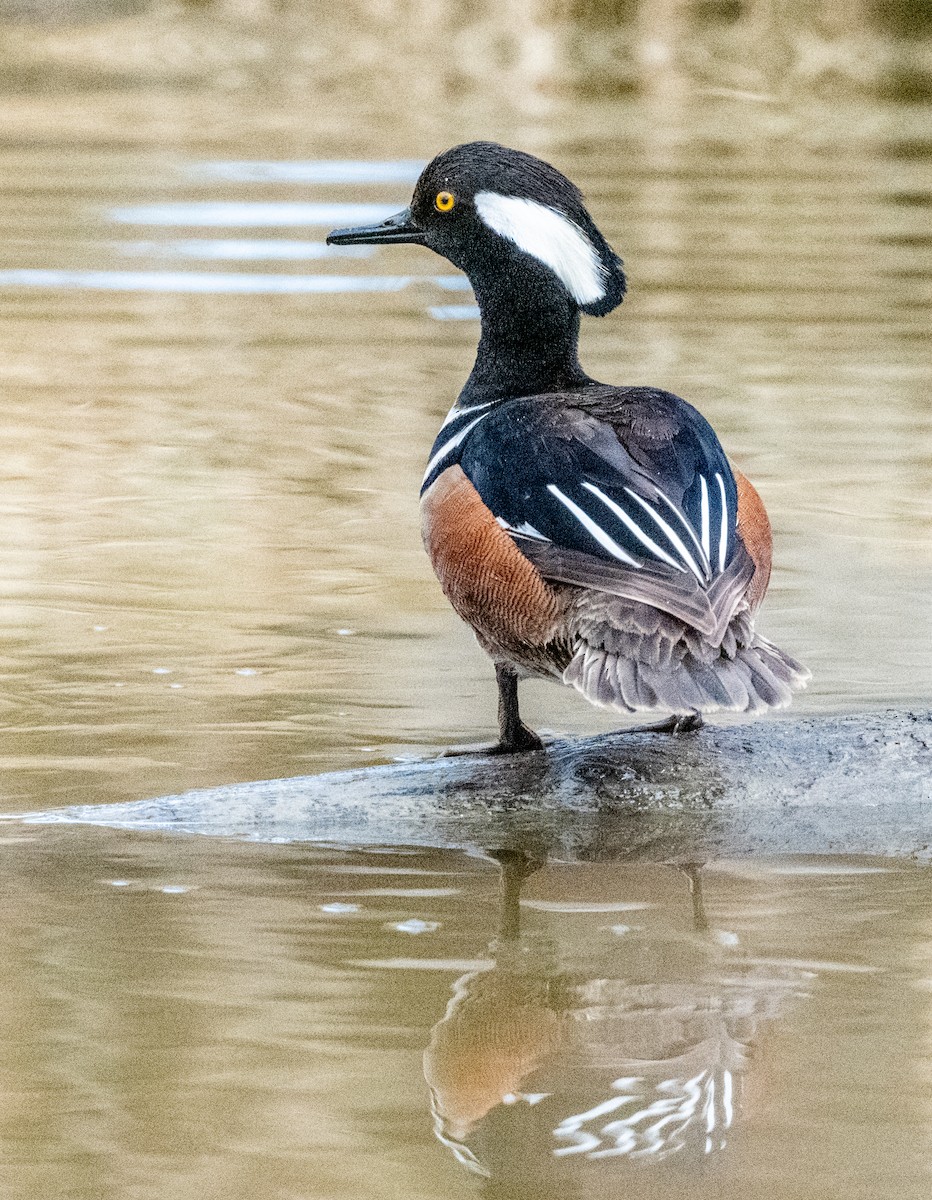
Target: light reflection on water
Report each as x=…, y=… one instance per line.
x=454, y=312
x=339, y=171
x=236, y=214
x=249, y=251
x=213, y=282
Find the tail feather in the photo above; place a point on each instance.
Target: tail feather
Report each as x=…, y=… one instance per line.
x=707, y=681
x=753, y=678
x=736, y=684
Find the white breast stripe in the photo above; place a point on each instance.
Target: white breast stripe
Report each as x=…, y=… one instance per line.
x=704, y=512
x=638, y=532
x=461, y=412
x=451, y=445
x=591, y=527
x=723, y=537
x=675, y=540
x=550, y=236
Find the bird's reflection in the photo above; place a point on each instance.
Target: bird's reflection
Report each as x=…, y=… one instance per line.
x=620, y=1044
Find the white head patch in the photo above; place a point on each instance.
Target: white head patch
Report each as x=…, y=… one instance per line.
x=550, y=236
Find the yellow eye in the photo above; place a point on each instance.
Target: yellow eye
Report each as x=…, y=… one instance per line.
x=444, y=201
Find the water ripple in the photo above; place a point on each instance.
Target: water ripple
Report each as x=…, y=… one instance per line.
x=454, y=312
x=243, y=249
x=255, y=213
x=208, y=282
x=334, y=171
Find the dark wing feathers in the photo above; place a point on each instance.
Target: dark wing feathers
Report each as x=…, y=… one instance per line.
x=626, y=490
x=647, y=452
x=674, y=592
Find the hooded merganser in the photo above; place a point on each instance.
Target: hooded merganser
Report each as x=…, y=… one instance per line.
x=591, y=534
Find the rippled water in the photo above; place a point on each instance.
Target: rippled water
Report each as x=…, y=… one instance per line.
x=185, y=1018
x=210, y=570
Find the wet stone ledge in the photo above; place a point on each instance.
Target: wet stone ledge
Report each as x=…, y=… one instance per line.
x=854, y=784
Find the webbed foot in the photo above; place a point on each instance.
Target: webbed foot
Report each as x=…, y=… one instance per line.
x=523, y=741
x=682, y=723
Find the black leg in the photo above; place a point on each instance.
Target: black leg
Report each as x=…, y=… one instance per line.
x=514, y=735
x=693, y=872
x=516, y=866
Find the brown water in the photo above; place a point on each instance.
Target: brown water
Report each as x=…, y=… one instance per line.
x=210, y=571
x=193, y=1018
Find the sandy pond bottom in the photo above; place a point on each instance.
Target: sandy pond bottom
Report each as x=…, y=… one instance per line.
x=193, y=1017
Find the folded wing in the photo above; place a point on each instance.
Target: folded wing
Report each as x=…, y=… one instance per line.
x=622, y=490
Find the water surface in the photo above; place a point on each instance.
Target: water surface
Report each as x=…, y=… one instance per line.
x=188, y=1017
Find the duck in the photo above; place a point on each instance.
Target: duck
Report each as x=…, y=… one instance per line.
x=592, y=534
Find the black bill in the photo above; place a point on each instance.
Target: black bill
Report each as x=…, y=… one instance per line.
x=397, y=228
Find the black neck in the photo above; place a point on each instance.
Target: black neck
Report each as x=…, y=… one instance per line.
x=530, y=332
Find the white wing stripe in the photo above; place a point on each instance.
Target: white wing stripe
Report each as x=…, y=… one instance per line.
x=450, y=445
x=522, y=530
x=686, y=525
x=591, y=527
x=723, y=536
x=675, y=540
x=704, y=512
x=638, y=532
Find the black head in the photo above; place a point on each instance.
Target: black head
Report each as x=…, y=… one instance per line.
x=501, y=215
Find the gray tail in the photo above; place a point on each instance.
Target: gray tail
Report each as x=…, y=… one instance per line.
x=757, y=677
